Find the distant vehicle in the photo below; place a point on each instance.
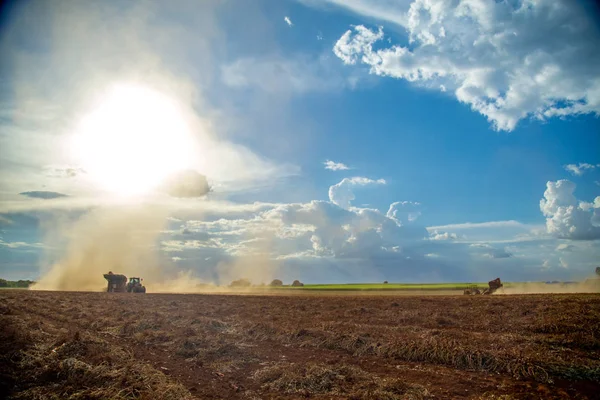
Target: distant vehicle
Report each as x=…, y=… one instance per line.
x=117, y=283
x=492, y=287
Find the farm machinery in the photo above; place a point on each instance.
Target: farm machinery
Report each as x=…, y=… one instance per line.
x=118, y=283
x=492, y=287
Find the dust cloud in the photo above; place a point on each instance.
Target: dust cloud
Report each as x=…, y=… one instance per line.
x=590, y=285
x=126, y=240
x=121, y=239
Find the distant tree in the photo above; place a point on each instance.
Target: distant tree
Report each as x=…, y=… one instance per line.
x=297, y=283
x=241, y=283
x=276, y=282
x=3, y=283
x=385, y=282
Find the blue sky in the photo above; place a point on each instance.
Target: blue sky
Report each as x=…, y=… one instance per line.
x=465, y=135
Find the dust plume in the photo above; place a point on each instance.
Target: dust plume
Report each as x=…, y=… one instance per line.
x=183, y=282
x=120, y=239
x=126, y=239
x=588, y=286
x=255, y=264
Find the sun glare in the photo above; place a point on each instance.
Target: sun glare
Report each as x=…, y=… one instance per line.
x=133, y=140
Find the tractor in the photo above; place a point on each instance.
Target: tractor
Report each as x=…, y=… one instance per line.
x=117, y=283
x=135, y=286
x=492, y=287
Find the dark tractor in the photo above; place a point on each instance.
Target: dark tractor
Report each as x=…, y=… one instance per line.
x=135, y=286
x=493, y=286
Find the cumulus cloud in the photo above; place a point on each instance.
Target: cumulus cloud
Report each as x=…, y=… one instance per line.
x=43, y=194
x=342, y=194
x=319, y=241
x=404, y=211
x=579, y=169
x=288, y=21
x=318, y=229
x=334, y=166
x=506, y=60
x=565, y=217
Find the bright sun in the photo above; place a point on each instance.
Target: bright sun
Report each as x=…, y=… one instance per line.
x=133, y=140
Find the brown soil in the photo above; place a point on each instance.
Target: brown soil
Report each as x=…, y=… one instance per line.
x=119, y=345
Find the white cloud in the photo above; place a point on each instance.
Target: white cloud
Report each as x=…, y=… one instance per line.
x=578, y=170
x=506, y=60
x=472, y=225
x=493, y=232
x=383, y=10
x=21, y=245
x=333, y=166
x=563, y=263
x=288, y=21
x=319, y=241
x=565, y=247
x=289, y=231
x=545, y=265
x=404, y=211
x=341, y=193
x=443, y=236
x=565, y=218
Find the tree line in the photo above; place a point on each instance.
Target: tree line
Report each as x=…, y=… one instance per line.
x=15, y=284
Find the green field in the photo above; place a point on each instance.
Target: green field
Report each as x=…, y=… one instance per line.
x=389, y=286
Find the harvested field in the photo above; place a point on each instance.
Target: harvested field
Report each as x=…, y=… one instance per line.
x=167, y=346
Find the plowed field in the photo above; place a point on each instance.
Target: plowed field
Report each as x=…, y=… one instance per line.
x=102, y=345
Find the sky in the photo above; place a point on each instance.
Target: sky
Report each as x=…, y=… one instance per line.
x=326, y=141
